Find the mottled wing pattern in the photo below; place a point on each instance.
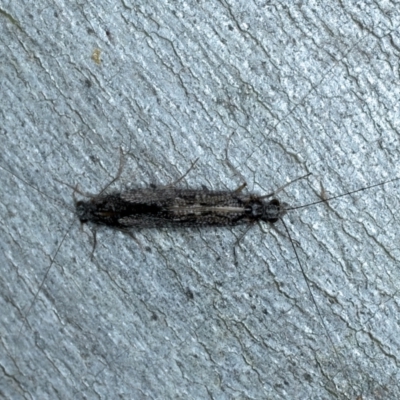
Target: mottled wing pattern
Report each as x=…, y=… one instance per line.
x=182, y=208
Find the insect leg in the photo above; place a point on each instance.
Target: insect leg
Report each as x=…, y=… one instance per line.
x=184, y=175
x=116, y=177
x=238, y=241
x=231, y=166
x=284, y=186
x=240, y=188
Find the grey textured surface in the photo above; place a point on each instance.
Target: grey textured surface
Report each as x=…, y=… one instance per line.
x=306, y=88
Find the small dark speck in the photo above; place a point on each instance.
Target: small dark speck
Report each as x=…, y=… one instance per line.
x=154, y=317
x=265, y=311
x=189, y=294
x=230, y=27
x=253, y=306
x=88, y=83
x=55, y=14
x=308, y=377
x=148, y=249
x=93, y=158
x=90, y=30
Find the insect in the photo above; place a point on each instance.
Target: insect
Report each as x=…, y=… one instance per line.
x=174, y=207
x=78, y=238
x=171, y=206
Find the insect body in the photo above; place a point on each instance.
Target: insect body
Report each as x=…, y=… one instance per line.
x=172, y=207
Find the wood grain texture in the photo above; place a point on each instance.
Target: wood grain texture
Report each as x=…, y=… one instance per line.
x=305, y=89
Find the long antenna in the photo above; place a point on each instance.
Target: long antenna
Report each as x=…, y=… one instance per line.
x=301, y=266
x=343, y=194
x=25, y=315
x=327, y=334
x=58, y=202
x=54, y=200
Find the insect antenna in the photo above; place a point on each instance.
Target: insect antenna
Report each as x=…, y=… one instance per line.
x=313, y=299
x=284, y=186
x=25, y=315
x=54, y=200
x=324, y=200
x=59, y=203
x=343, y=194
